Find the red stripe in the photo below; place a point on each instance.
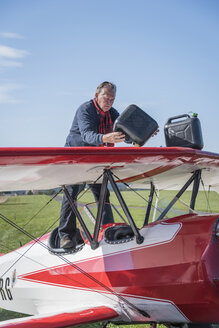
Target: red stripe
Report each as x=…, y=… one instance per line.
x=63, y=319
x=72, y=155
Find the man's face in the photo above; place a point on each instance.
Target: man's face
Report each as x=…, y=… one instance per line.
x=105, y=99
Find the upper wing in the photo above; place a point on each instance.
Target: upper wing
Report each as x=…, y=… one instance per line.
x=46, y=168
x=62, y=319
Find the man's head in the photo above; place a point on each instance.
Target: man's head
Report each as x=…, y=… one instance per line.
x=105, y=95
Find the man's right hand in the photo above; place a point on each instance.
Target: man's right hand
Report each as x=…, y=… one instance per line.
x=114, y=137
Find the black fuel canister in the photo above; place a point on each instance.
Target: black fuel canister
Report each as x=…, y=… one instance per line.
x=184, y=131
x=136, y=124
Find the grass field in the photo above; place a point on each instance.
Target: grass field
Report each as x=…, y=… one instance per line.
x=38, y=215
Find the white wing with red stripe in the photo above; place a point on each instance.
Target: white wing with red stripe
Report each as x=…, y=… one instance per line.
x=46, y=168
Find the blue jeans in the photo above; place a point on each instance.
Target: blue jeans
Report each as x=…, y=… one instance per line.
x=67, y=225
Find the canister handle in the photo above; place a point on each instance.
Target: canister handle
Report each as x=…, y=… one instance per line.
x=176, y=117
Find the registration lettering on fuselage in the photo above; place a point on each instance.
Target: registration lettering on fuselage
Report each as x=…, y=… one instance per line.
x=5, y=292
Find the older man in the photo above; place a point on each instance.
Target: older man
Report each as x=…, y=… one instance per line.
x=92, y=126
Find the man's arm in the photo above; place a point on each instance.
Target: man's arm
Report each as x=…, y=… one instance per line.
x=88, y=126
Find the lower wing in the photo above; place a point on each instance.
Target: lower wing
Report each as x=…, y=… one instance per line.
x=59, y=320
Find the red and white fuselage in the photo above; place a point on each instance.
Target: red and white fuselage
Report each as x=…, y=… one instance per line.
x=173, y=275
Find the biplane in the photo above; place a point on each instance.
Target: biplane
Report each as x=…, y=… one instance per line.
x=167, y=271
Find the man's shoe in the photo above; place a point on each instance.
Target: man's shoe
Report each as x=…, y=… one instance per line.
x=66, y=242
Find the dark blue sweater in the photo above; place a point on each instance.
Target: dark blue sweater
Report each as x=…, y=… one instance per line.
x=85, y=126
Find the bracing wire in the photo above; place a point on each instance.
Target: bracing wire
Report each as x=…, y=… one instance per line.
x=206, y=196
x=209, y=190
x=128, y=186
x=25, y=233
x=85, y=191
x=51, y=199
x=10, y=249
x=156, y=208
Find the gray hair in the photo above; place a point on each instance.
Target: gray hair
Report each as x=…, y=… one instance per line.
x=109, y=85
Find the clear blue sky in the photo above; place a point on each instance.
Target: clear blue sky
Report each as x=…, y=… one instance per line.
x=163, y=55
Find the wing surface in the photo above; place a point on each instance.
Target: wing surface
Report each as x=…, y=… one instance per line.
x=62, y=319
x=47, y=168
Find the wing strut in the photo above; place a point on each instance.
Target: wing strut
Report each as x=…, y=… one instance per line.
x=150, y=199
x=100, y=208
x=77, y=214
x=196, y=178
x=195, y=189
x=139, y=238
